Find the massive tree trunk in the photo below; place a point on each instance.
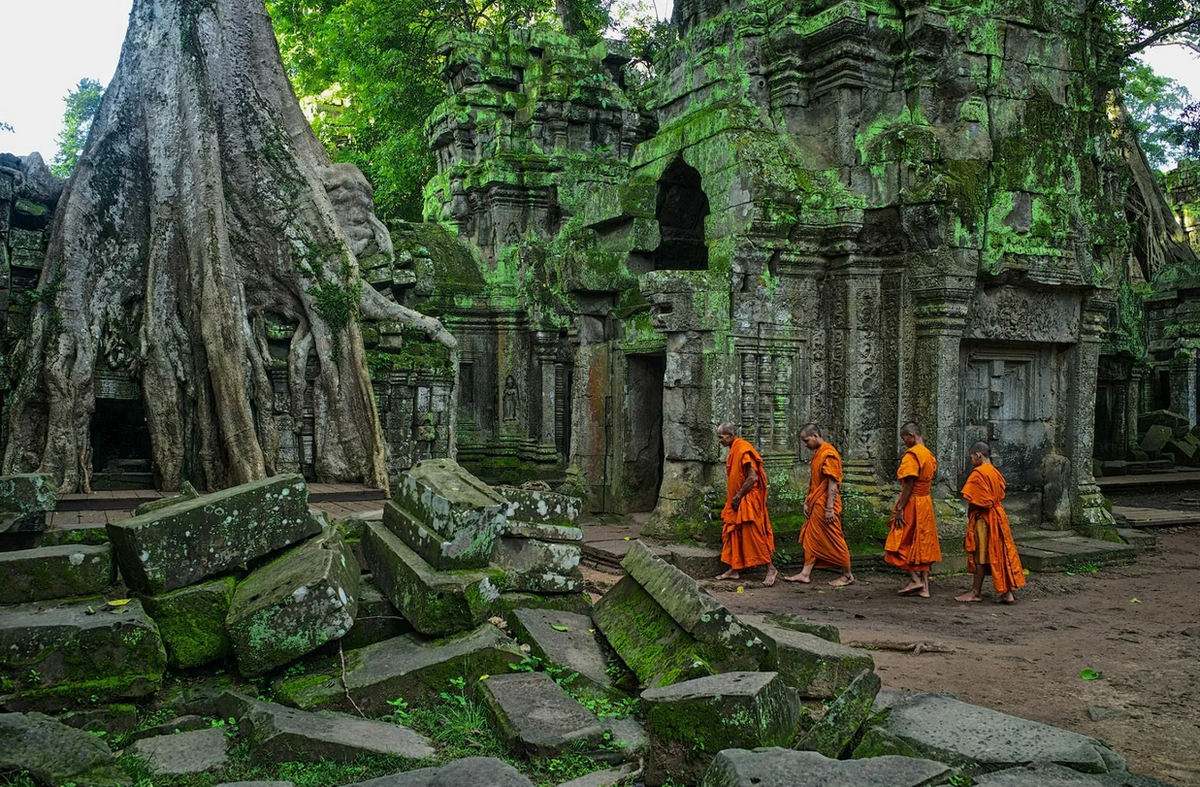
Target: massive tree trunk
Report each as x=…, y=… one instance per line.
x=202, y=207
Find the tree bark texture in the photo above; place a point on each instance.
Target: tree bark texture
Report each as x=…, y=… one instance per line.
x=203, y=206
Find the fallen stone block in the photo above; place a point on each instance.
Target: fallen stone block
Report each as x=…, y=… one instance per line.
x=468, y=772
x=436, y=603
x=813, y=666
x=796, y=623
x=629, y=741
x=1046, y=775
x=186, y=492
x=51, y=654
x=579, y=603
x=191, y=622
x=195, y=539
x=696, y=562
x=610, y=777
x=54, y=572
x=775, y=767
x=531, y=505
x=564, y=640
x=1171, y=420
x=978, y=740
x=1156, y=439
x=376, y=620
x=292, y=606
x=25, y=500
x=555, y=534
x=725, y=644
x=833, y=733
x=201, y=751
x=534, y=715
x=441, y=553
x=281, y=734
x=171, y=727
x=519, y=557
x=455, y=506
x=407, y=667
x=117, y=717
x=53, y=753
x=646, y=638
x=690, y=722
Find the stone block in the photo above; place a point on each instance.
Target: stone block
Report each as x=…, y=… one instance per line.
x=557, y=534
x=775, y=767
x=454, y=504
x=533, y=714
x=436, y=603
x=439, y=552
x=282, y=734
x=54, y=572
x=186, y=492
x=408, y=666
x=833, y=733
x=52, y=654
x=813, y=666
x=532, y=505
x=293, y=605
x=1184, y=451
x=53, y=753
x=725, y=643
x=200, y=751
x=579, y=603
x=376, y=620
x=690, y=722
x=696, y=562
x=978, y=740
x=564, y=640
x=468, y=772
x=171, y=727
x=1156, y=439
x=610, y=777
x=191, y=622
x=785, y=620
x=1046, y=775
x=195, y=539
x=646, y=638
x=534, y=556
x=24, y=501
x=1165, y=418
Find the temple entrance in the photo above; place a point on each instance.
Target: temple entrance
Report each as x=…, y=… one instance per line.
x=120, y=445
x=642, y=464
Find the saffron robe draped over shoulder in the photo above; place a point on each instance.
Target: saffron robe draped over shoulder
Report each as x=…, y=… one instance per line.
x=824, y=543
x=915, y=546
x=989, y=539
x=746, y=536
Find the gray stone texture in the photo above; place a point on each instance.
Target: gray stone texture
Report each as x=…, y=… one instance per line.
x=201, y=751
x=538, y=566
x=281, y=734
x=786, y=620
x=1049, y=775
x=469, y=772
x=610, y=777
x=1156, y=439
x=455, y=506
x=24, y=501
x=535, y=506
x=833, y=733
x=534, y=715
x=775, y=767
x=195, y=539
x=565, y=640
x=978, y=740
x=813, y=666
x=377, y=618
x=178, y=724
x=54, y=572
x=647, y=639
x=53, y=753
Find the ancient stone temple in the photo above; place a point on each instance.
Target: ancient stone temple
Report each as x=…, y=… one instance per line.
x=851, y=213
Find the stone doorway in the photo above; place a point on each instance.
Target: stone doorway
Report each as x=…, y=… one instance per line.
x=642, y=465
x=121, y=452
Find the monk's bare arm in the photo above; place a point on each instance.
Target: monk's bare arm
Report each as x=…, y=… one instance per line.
x=747, y=485
x=905, y=493
x=830, y=500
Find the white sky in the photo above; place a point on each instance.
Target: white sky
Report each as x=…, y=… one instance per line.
x=51, y=44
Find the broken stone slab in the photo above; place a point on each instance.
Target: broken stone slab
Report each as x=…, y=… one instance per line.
x=533, y=556
x=1156, y=439
x=54, y=572
x=566, y=641
x=776, y=767
x=186, y=492
x=725, y=643
x=53, y=753
x=66, y=535
x=1048, y=775
x=535, y=506
x=436, y=603
x=51, y=654
x=281, y=734
x=293, y=605
x=579, y=603
x=376, y=620
x=978, y=740
x=25, y=500
x=200, y=751
x=534, y=715
x=468, y=772
x=647, y=639
x=117, y=717
x=833, y=733
x=629, y=741
x=690, y=722
x=610, y=777
x=196, y=539
x=411, y=667
x=546, y=583
x=191, y=622
x=556, y=534
x=176, y=725
x=455, y=505
x=441, y=553
x=796, y=623
x=815, y=667
x=696, y=562
x=1171, y=420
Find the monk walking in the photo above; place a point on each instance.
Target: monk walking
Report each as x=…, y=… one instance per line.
x=912, y=544
x=989, y=540
x=746, y=537
x=821, y=537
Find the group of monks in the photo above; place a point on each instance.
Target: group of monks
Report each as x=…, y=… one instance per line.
x=912, y=542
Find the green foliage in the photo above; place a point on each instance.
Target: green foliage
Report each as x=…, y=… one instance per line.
x=82, y=104
x=1156, y=104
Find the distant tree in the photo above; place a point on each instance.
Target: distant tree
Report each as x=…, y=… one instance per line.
x=82, y=104
x=1156, y=106
x=5, y=127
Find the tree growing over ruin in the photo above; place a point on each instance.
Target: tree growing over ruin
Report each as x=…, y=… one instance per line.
x=202, y=208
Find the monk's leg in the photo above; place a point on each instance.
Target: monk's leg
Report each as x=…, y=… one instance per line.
x=804, y=577
x=976, y=592
x=730, y=574
x=847, y=578
x=914, y=583
x=924, y=591
x=772, y=575
x=1007, y=598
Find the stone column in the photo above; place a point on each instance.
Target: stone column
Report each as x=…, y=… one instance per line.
x=1183, y=384
x=863, y=373
x=546, y=357
x=1087, y=507
x=1133, y=406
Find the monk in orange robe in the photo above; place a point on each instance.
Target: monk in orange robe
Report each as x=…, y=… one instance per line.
x=746, y=537
x=989, y=541
x=821, y=537
x=912, y=544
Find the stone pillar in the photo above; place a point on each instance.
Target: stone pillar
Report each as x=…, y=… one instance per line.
x=1087, y=509
x=1133, y=406
x=1183, y=384
x=546, y=357
x=863, y=375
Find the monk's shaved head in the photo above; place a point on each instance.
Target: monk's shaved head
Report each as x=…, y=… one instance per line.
x=911, y=428
x=727, y=428
x=982, y=448
x=810, y=429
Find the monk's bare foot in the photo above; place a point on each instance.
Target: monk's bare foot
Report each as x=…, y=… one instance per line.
x=841, y=582
x=772, y=575
x=923, y=593
x=801, y=578
x=730, y=574
x=968, y=596
x=1007, y=598
x=910, y=587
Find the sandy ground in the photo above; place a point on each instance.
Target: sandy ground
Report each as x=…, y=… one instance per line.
x=1137, y=625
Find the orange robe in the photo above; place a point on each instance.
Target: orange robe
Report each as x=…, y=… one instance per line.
x=989, y=539
x=746, y=536
x=915, y=547
x=824, y=543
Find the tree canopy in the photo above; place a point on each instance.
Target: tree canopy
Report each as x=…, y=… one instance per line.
x=82, y=103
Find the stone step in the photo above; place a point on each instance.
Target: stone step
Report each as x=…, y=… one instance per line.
x=1141, y=539
x=1148, y=518
x=54, y=572
x=1051, y=554
x=564, y=640
x=533, y=715
x=185, y=754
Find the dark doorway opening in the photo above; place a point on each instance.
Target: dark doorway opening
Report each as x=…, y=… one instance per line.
x=1162, y=390
x=120, y=445
x=643, y=461
x=680, y=208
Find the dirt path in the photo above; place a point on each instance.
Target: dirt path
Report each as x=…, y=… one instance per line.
x=1026, y=659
